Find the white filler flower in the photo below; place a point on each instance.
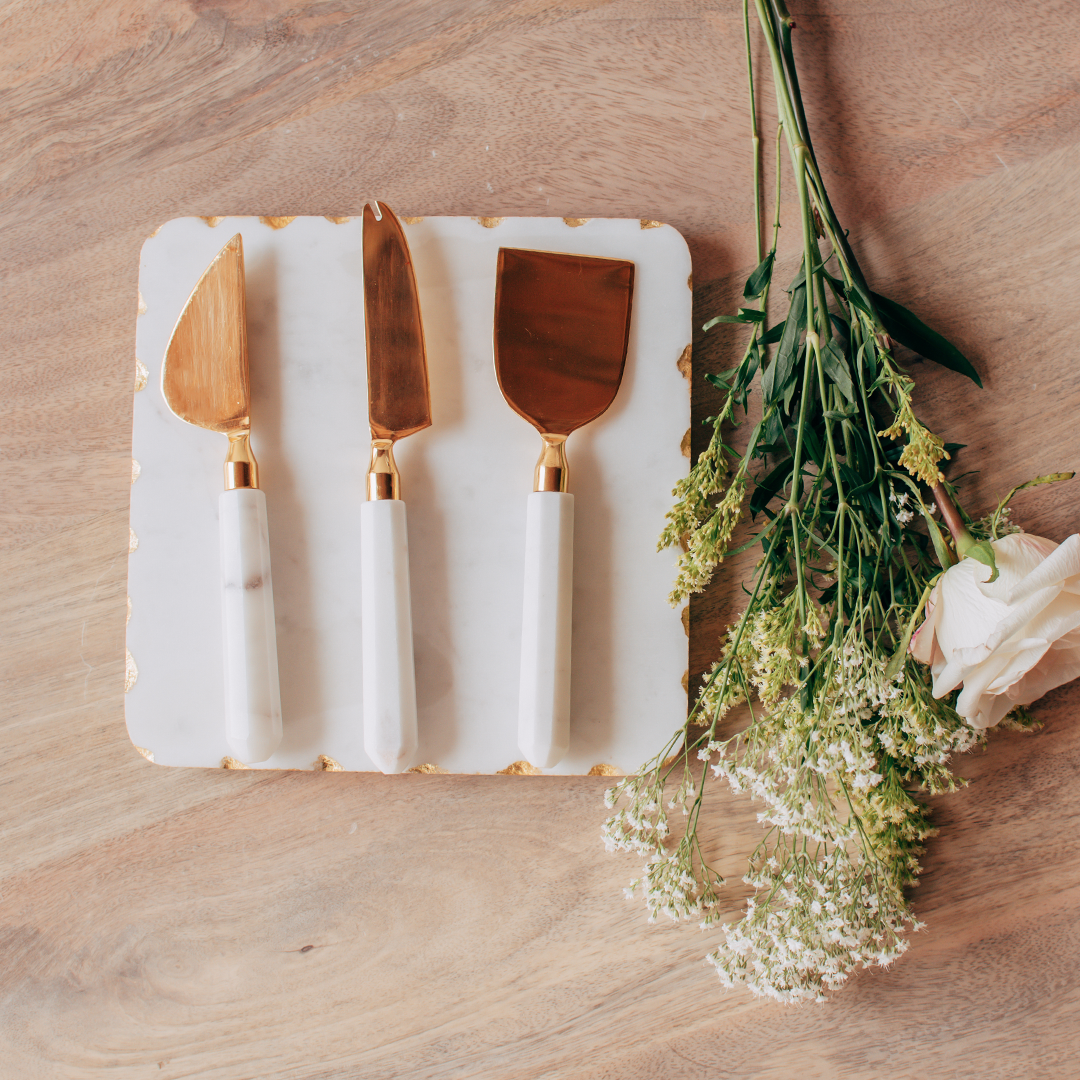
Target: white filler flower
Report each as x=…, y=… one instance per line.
x=1008, y=641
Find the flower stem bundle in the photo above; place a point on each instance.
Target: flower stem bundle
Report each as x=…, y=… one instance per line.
x=836, y=479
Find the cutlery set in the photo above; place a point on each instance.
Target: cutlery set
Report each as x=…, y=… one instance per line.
x=561, y=335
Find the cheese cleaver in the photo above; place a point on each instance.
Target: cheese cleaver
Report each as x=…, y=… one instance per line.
x=398, y=405
x=205, y=381
x=562, y=329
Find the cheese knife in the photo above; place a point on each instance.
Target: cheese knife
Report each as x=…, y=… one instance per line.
x=398, y=405
x=204, y=380
x=562, y=329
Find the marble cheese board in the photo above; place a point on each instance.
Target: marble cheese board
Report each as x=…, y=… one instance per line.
x=465, y=479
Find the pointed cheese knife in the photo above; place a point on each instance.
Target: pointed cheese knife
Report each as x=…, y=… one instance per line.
x=205, y=382
x=398, y=405
x=562, y=328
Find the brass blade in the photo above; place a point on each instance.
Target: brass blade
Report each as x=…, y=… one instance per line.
x=562, y=328
x=398, y=399
x=205, y=374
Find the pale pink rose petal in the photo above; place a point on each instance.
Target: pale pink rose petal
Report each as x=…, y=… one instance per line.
x=1057, y=667
x=1016, y=555
x=1060, y=564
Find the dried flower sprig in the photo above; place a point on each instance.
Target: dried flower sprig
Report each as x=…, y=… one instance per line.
x=843, y=726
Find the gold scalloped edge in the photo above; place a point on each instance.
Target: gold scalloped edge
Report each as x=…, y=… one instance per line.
x=136, y=470
x=648, y=223
x=684, y=446
x=684, y=615
x=154, y=233
x=131, y=672
x=148, y=754
x=133, y=541
x=576, y=222
x=141, y=309
x=277, y=222
x=684, y=362
x=128, y=619
x=343, y=220
x=490, y=222
x=417, y=220
x=519, y=768
x=142, y=375
x=685, y=680
x=690, y=282
x=325, y=763
x=429, y=770
x=603, y=769
x=233, y=763
x=213, y=222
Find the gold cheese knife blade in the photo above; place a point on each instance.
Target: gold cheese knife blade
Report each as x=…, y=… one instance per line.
x=205, y=375
x=562, y=328
x=398, y=405
x=399, y=402
x=204, y=379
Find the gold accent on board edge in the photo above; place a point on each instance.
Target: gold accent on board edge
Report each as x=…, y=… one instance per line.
x=325, y=763
x=648, y=223
x=685, y=616
x=690, y=282
x=233, y=763
x=685, y=680
x=213, y=222
x=338, y=220
x=519, y=768
x=136, y=469
x=684, y=446
x=576, y=222
x=416, y=220
x=128, y=619
x=683, y=363
x=131, y=672
x=428, y=770
x=148, y=754
x=277, y=222
x=141, y=309
x=142, y=375
x=133, y=540
x=490, y=222
x=604, y=769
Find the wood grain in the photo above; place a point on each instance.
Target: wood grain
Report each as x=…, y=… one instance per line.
x=157, y=923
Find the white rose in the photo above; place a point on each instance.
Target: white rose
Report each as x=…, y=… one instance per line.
x=1008, y=641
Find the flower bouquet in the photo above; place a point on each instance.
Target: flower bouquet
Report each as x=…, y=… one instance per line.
x=884, y=631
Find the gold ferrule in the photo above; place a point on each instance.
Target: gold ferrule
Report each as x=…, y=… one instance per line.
x=383, y=478
x=241, y=468
x=552, y=471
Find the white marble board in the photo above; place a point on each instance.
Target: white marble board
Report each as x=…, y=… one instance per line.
x=465, y=481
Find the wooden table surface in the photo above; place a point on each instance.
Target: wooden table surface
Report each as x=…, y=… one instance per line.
x=223, y=924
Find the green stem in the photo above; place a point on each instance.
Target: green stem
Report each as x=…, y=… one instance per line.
x=754, y=138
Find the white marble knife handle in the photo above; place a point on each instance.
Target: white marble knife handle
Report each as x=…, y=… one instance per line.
x=544, y=702
x=252, y=695
x=389, y=675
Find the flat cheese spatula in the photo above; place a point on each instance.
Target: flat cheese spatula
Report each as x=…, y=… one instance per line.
x=562, y=328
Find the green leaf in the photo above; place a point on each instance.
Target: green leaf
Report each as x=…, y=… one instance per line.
x=1052, y=478
x=984, y=553
x=720, y=381
x=767, y=489
x=745, y=315
x=783, y=366
x=835, y=364
x=773, y=334
x=911, y=331
x=760, y=278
